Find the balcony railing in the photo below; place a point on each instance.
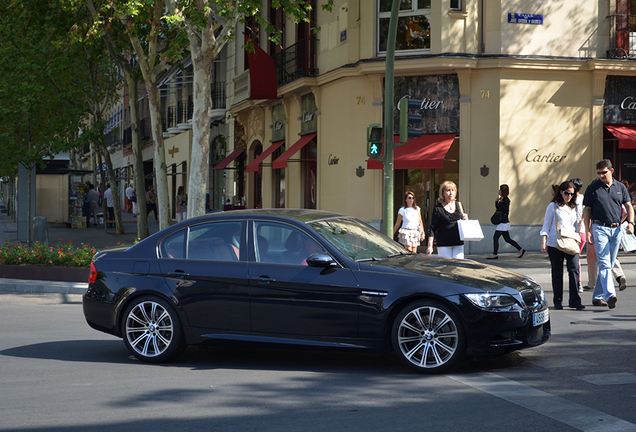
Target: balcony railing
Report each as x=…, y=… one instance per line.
x=218, y=95
x=171, y=117
x=622, y=36
x=296, y=61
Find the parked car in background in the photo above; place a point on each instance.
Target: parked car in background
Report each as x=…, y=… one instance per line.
x=307, y=278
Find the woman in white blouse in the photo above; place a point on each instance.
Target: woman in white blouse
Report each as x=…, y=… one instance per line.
x=564, y=206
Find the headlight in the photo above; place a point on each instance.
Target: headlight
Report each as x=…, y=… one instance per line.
x=542, y=295
x=491, y=301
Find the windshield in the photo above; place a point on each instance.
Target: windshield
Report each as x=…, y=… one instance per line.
x=357, y=240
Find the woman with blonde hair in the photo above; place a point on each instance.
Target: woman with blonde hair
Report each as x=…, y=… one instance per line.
x=409, y=222
x=444, y=227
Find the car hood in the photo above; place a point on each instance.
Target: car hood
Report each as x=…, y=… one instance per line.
x=464, y=272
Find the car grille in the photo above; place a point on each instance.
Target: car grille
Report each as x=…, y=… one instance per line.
x=530, y=298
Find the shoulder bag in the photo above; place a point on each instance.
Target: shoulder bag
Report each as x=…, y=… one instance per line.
x=497, y=218
x=567, y=240
x=469, y=230
x=628, y=241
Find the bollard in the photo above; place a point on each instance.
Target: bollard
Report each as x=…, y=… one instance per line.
x=39, y=230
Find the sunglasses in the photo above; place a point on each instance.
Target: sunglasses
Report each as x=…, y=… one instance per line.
x=567, y=193
x=409, y=197
x=601, y=172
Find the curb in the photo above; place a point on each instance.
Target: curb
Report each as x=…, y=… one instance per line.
x=42, y=287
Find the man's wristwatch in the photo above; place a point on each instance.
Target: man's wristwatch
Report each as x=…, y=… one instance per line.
x=632, y=223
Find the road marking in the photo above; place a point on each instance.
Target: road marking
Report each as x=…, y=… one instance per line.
x=556, y=362
x=609, y=379
x=572, y=414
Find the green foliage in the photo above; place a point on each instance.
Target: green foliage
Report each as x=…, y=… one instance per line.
x=37, y=90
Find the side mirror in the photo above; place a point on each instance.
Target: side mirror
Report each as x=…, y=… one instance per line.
x=321, y=260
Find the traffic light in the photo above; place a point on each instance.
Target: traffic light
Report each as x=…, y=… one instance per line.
x=375, y=146
x=407, y=117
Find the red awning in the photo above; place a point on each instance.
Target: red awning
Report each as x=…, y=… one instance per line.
x=253, y=166
x=425, y=152
x=626, y=135
x=225, y=162
x=281, y=162
x=262, y=74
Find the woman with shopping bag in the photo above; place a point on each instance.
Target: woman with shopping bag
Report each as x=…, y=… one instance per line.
x=560, y=227
x=444, y=224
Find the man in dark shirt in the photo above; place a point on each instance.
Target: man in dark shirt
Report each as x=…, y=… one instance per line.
x=603, y=201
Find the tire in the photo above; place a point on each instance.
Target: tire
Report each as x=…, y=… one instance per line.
x=152, y=330
x=428, y=337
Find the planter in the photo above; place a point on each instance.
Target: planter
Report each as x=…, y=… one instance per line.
x=36, y=272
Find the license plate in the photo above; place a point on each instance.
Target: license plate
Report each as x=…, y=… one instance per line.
x=540, y=318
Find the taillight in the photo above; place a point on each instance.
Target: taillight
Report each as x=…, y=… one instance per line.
x=92, y=276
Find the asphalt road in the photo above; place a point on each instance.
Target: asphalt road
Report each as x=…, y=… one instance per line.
x=57, y=374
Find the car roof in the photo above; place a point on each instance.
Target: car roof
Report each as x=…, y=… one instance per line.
x=300, y=215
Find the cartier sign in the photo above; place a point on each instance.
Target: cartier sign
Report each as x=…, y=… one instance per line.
x=628, y=103
x=534, y=156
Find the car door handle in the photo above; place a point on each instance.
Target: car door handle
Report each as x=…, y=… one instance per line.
x=177, y=273
x=263, y=279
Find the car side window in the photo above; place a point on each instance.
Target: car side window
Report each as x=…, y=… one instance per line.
x=283, y=244
x=215, y=241
x=174, y=246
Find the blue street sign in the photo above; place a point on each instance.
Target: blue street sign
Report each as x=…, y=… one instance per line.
x=521, y=18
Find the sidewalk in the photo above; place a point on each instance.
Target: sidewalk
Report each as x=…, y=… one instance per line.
x=97, y=237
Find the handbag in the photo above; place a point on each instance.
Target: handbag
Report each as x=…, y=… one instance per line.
x=628, y=241
x=567, y=241
x=469, y=230
x=497, y=218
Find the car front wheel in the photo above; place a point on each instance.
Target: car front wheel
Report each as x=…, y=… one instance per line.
x=152, y=330
x=428, y=337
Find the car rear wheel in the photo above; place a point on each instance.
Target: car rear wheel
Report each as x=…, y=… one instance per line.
x=152, y=330
x=428, y=337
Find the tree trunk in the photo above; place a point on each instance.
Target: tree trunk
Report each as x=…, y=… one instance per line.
x=200, y=153
x=146, y=64
x=138, y=163
x=161, y=178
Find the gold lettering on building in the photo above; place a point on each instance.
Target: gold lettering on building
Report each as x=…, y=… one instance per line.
x=534, y=156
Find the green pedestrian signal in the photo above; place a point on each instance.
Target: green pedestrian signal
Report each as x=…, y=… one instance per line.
x=375, y=146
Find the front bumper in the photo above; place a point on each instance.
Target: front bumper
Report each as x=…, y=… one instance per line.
x=490, y=332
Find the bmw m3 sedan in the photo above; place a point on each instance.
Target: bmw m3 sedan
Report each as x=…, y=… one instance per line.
x=307, y=278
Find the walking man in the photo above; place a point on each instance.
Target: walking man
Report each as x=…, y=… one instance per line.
x=129, y=196
x=603, y=203
x=108, y=196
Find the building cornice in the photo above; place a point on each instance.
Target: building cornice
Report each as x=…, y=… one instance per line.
x=432, y=64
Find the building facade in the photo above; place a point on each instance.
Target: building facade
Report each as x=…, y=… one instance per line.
x=526, y=95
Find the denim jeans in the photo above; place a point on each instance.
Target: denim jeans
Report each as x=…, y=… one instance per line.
x=606, y=243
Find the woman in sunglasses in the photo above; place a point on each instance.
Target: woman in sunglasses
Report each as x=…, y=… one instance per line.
x=409, y=222
x=562, y=207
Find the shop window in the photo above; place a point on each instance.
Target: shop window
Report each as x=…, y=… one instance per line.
x=414, y=30
x=278, y=180
x=309, y=158
x=258, y=180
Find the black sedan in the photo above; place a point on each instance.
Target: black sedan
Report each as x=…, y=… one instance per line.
x=307, y=278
